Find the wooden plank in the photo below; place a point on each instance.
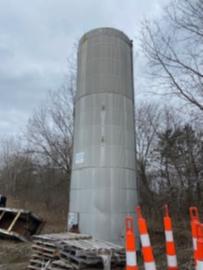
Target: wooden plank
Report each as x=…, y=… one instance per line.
x=2, y=214
x=14, y=221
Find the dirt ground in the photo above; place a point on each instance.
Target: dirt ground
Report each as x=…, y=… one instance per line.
x=14, y=255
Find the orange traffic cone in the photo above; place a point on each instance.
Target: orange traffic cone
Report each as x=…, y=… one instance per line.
x=147, y=252
x=194, y=221
x=200, y=247
x=170, y=245
x=131, y=258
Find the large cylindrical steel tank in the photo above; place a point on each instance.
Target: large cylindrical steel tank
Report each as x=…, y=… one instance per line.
x=103, y=181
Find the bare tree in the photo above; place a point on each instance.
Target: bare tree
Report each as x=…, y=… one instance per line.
x=147, y=125
x=16, y=166
x=50, y=129
x=180, y=166
x=174, y=49
x=50, y=132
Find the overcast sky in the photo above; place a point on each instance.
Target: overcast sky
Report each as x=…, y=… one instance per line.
x=36, y=37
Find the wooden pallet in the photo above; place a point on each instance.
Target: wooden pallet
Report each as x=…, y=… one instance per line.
x=89, y=252
x=45, y=251
x=19, y=224
x=61, y=265
x=73, y=251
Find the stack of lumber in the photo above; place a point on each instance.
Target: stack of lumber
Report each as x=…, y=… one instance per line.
x=73, y=251
x=45, y=249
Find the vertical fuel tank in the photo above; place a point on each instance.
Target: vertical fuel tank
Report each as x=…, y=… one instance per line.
x=103, y=182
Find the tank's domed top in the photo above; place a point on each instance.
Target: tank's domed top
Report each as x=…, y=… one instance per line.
x=105, y=63
x=105, y=31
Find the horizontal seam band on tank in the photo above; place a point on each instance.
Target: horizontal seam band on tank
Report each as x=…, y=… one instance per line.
x=107, y=146
x=105, y=58
x=107, y=125
x=110, y=212
x=113, y=93
x=103, y=167
x=111, y=59
x=106, y=188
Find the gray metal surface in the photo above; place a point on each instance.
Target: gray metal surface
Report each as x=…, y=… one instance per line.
x=103, y=183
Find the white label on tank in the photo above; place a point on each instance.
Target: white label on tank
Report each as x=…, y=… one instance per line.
x=73, y=218
x=79, y=158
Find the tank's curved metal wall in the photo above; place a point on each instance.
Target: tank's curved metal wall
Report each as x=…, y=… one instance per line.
x=103, y=182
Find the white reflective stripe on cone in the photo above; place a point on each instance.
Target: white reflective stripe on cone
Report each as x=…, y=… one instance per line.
x=150, y=266
x=145, y=240
x=169, y=236
x=131, y=259
x=199, y=265
x=194, y=241
x=172, y=261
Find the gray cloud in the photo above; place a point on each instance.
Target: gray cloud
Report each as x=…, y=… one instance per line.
x=36, y=37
